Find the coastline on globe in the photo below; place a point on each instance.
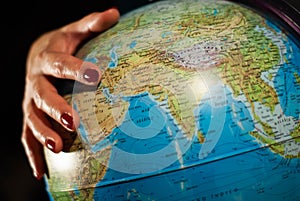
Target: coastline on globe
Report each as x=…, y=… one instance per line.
x=199, y=96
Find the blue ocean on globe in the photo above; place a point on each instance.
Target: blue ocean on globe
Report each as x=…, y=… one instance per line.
x=199, y=101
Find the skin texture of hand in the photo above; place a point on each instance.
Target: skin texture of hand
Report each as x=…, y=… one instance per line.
x=51, y=57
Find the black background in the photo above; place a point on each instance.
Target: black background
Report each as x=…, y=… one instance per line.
x=21, y=24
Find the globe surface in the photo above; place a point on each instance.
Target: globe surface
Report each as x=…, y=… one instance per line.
x=199, y=100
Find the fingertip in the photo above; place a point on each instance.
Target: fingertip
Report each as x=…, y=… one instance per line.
x=114, y=11
x=114, y=14
x=40, y=171
x=34, y=151
x=50, y=144
x=101, y=21
x=54, y=145
x=67, y=120
x=91, y=75
x=38, y=175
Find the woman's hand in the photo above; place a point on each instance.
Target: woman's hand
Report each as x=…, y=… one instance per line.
x=51, y=58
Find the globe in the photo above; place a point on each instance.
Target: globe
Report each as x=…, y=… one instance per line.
x=199, y=100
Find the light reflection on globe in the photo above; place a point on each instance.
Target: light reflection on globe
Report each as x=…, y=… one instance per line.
x=199, y=100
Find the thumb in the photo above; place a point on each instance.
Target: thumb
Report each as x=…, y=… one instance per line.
x=93, y=23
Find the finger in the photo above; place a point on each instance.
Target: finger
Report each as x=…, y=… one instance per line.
x=94, y=23
x=49, y=101
x=41, y=128
x=70, y=36
x=58, y=60
x=66, y=66
x=34, y=151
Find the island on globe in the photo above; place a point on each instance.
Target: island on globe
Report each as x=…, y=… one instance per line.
x=199, y=101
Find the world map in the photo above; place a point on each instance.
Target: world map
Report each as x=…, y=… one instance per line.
x=199, y=100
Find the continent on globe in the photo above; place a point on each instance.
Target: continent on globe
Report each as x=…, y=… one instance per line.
x=199, y=96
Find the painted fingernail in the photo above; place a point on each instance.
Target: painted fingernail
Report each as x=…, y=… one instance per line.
x=67, y=120
x=91, y=75
x=50, y=144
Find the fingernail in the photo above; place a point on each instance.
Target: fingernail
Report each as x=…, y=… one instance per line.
x=50, y=144
x=67, y=120
x=91, y=75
